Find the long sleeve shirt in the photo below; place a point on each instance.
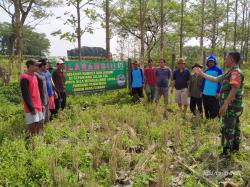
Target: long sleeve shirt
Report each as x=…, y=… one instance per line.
x=59, y=80
x=195, y=86
x=42, y=88
x=137, y=78
x=30, y=93
x=211, y=88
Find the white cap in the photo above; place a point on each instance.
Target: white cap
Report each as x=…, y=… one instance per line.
x=59, y=61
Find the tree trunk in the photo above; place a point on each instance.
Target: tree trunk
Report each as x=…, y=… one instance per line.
x=162, y=34
x=204, y=60
x=243, y=29
x=108, y=55
x=247, y=38
x=148, y=51
x=226, y=32
x=173, y=62
x=202, y=30
x=235, y=23
x=142, y=31
x=79, y=35
x=18, y=31
x=181, y=28
x=122, y=47
x=20, y=49
x=142, y=14
x=11, y=57
x=214, y=27
x=135, y=51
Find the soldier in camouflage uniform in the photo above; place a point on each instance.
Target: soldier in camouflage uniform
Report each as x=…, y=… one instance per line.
x=231, y=105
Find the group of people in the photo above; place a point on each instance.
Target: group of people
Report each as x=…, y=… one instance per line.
x=43, y=93
x=219, y=94
x=190, y=89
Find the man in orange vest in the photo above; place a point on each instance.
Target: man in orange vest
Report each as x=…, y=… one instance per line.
x=31, y=99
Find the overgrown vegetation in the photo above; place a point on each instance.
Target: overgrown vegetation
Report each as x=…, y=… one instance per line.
x=107, y=140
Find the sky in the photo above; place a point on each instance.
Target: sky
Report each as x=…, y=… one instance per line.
x=60, y=47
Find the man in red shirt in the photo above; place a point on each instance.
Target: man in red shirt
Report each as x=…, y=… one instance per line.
x=150, y=81
x=59, y=80
x=31, y=98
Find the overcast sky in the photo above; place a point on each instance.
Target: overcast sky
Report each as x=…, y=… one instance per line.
x=60, y=47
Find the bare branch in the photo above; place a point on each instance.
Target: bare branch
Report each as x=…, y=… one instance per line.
x=88, y=2
x=25, y=13
x=38, y=23
x=6, y=9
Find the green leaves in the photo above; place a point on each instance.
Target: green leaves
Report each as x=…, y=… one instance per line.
x=75, y=20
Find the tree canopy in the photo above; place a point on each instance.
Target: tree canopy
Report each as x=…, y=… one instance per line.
x=35, y=44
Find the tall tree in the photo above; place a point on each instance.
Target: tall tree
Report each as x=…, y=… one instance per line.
x=214, y=27
x=108, y=54
x=181, y=28
x=78, y=11
x=126, y=19
x=247, y=38
x=226, y=29
x=18, y=12
x=244, y=6
x=19, y=34
x=162, y=26
x=142, y=14
x=35, y=44
x=202, y=29
x=75, y=22
x=235, y=23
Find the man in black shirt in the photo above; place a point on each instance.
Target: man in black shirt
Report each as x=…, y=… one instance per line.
x=181, y=77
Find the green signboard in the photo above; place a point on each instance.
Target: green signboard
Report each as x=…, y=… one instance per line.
x=88, y=76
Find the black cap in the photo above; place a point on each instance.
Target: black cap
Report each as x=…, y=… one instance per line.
x=32, y=61
x=43, y=61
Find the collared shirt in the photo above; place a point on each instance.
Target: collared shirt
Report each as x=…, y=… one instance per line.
x=150, y=77
x=163, y=75
x=43, y=88
x=181, y=79
x=195, y=86
x=48, y=82
x=59, y=80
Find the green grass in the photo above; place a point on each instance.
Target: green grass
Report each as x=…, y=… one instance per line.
x=104, y=139
x=93, y=129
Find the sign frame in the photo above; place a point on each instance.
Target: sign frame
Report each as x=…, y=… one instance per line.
x=87, y=76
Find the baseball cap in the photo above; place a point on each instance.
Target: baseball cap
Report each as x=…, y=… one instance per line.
x=33, y=62
x=59, y=61
x=43, y=61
